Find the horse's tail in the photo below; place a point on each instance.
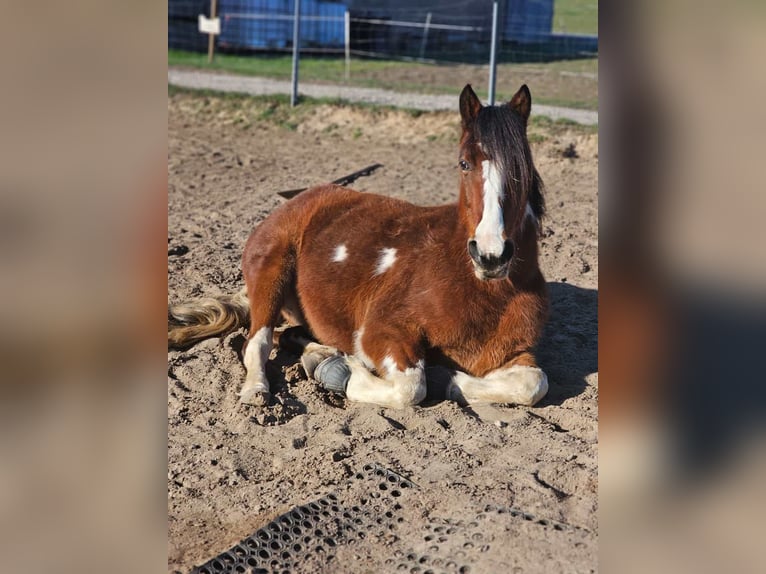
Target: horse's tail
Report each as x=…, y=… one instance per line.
x=193, y=321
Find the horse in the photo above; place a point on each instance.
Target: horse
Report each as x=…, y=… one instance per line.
x=402, y=300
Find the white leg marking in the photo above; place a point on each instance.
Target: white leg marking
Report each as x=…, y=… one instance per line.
x=489, y=232
x=518, y=384
x=389, y=365
x=256, y=355
x=340, y=253
x=359, y=351
x=398, y=390
x=386, y=260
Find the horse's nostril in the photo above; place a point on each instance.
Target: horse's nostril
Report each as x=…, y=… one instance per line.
x=473, y=249
x=507, y=251
x=490, y=262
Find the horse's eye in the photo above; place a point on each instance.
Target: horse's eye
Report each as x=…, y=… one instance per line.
x=464, y=165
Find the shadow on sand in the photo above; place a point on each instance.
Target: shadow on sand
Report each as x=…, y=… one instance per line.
x=568, y=350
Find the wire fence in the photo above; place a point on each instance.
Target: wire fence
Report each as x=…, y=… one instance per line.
x=425, y=32
x=448, y=32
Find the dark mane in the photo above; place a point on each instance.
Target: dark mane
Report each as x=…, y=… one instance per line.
x=502, y=133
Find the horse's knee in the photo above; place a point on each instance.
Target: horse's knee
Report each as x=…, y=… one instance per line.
x=396, y=389
x=517, y=384
x=410, y=386
x=530, y=385
x=410, y=395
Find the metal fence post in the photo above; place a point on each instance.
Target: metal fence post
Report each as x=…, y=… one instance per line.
x=296, y=52
x=425, y=36
x=347, y=38
x=493, y=56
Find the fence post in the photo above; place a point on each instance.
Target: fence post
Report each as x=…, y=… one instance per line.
x=211, y=37
x=425, y=36
x=493, y=56
x=296, y=53
x=347, y=35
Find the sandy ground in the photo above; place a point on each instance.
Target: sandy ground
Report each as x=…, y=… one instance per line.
x=233, y=468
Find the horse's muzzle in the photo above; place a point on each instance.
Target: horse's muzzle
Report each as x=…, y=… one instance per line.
x=490, y=266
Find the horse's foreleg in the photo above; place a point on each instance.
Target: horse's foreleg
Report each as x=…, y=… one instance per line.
x=521, y=384
x=401, y=382
x=400, y=385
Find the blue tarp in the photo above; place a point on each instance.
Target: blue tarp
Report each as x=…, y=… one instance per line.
x=243, y=24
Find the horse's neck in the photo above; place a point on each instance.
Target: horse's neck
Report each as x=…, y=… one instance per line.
x=524, y=265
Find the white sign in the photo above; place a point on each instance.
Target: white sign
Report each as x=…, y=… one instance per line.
x=209, y=25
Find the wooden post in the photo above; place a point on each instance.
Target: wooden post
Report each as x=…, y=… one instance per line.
x=211, y=37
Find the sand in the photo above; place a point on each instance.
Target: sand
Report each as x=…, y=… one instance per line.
x=232, y=468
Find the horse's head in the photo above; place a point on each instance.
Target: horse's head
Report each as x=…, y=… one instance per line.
x=498, y=181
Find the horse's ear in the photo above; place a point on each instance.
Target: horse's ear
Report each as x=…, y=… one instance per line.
x=522, y=102
x=469, y=105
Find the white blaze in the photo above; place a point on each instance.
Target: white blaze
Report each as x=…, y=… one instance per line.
x=340, y=253
x=386, y=260
x=489, y=232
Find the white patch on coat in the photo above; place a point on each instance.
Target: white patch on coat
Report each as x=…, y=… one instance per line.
x=489, y=232
x=359, y=351
x=386, y=260
x=340, y=253
x=389, y=365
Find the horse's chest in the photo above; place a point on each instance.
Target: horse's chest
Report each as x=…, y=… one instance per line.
x=468, y=322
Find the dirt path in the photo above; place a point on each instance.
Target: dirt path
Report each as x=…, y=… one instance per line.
x=263, y=86
x=234, y=468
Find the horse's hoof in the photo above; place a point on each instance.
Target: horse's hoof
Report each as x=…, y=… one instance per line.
x=255, y=397
x=315, y=354
x=333, y=373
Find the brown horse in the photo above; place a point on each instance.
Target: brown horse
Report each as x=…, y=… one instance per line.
x=388, y=287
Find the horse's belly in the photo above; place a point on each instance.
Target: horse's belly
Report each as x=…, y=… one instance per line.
x=326, y=308
x=332, y=281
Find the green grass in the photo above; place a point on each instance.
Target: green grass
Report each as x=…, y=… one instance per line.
x=280, y=67
x=575, y=16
